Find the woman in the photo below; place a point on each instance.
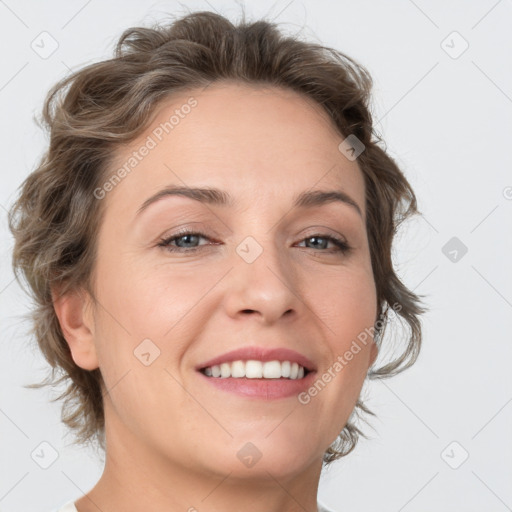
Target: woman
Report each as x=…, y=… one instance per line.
x=209, y=240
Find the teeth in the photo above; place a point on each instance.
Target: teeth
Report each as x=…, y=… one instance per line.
x=225, y=370
x=272, y=370
x=294, y=371
x=285, y=368
x=237, y=369
x=253, y=369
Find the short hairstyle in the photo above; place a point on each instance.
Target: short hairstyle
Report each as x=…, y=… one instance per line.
x=105, y=105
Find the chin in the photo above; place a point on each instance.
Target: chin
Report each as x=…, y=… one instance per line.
x=255, y=456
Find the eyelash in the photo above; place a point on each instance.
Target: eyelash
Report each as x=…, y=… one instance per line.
x=342, y=246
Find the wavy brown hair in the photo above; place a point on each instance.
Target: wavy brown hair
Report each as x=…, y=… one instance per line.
x=97, y=109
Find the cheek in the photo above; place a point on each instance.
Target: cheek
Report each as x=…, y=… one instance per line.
x=348, y=308
x=138, y=313
x=165, y=302
x=347, y=303
x=161, y=305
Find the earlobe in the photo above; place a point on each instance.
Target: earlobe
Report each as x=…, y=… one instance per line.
x=73, y=309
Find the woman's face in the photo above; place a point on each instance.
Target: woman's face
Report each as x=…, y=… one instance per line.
x=262, y=273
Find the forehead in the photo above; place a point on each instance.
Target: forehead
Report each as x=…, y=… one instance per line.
x=241, y=138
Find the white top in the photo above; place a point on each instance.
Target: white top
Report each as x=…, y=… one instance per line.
x=321, y=508
x=70, y=507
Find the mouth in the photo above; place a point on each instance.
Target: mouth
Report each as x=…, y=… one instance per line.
x=259, y=373
x=254, y=369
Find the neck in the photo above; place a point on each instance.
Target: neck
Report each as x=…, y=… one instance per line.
x=136, y=477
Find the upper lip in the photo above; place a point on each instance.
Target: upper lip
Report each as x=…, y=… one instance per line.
x=260, y=354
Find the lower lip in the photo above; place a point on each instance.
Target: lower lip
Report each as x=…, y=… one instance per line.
x=268, y=389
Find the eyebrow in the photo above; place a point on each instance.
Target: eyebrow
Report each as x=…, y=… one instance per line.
x=216, y=197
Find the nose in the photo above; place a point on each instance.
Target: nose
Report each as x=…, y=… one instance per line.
x=264, y=288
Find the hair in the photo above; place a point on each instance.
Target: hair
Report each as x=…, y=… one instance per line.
x=99, y=108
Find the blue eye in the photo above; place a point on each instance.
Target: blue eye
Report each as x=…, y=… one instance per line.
x=183, y=240
x=340, y=244
x=188, y=241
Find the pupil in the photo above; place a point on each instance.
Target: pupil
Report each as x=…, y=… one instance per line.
x=188, y=237
x=316, y=238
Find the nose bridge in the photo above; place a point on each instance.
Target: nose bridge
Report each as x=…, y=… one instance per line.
x=262, y=280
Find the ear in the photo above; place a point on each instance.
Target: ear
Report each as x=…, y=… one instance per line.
x=74, y=311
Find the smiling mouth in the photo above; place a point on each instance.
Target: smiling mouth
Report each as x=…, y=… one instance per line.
x=253, y=369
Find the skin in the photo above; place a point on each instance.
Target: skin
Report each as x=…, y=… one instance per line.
x=172, y=438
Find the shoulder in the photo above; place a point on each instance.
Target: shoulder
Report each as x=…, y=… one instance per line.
x=70, y=507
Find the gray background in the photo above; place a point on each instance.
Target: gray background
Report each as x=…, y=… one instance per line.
x=446, y=116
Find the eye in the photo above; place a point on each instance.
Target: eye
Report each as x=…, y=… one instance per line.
x=188, y=241
x=320, y=241
x=185, y=241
